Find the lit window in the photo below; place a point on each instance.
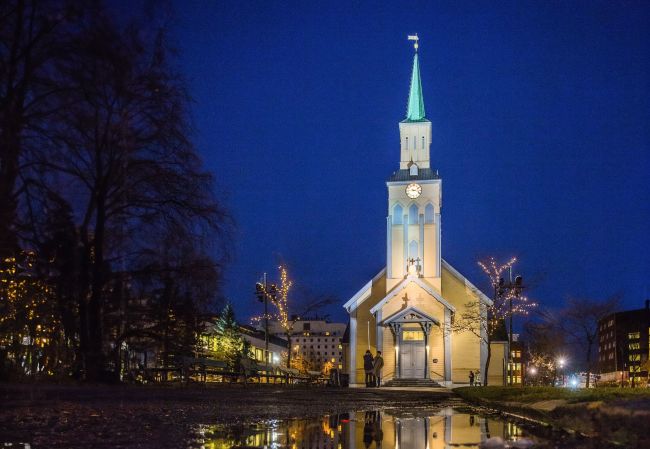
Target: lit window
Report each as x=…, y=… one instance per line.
x=413, y=214
x=634, y=335
x=397, y=214
x=428, y=213
x=413, y=249
x=412, y=336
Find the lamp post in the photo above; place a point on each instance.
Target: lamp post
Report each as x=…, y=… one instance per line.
x=263, y=295
x=514, y=289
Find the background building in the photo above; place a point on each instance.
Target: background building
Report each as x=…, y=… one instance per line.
x=623, y=348
x=516, y=372
x=317, y=341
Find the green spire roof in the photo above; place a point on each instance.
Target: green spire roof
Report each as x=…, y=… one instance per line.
x=415, y=110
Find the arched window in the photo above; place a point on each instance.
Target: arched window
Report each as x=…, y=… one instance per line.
x=397, y=214
x=413, y=250
x=428, y=213
x=406, y=144
x=413, y=214
x=423, y=142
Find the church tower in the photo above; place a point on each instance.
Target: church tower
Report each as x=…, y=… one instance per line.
x=414, y=197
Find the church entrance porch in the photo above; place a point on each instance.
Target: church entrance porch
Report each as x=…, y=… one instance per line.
x=411, y=331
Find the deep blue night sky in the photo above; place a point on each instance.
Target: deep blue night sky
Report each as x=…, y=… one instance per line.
x=540, y=114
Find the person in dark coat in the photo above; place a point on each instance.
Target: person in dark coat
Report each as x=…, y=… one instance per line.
x=471, y=378
x=378, y=365
x=368, y=367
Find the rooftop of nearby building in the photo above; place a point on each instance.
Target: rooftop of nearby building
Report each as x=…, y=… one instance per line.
x=635, y=314
x=259, y=334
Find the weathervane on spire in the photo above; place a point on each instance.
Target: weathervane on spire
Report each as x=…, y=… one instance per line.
x=416, y=39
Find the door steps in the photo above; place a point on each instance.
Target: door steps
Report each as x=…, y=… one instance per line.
x=411, y=383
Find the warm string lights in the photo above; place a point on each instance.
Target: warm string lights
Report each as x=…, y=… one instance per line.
x=279, y=297
x=508, y=298
x=29, y=322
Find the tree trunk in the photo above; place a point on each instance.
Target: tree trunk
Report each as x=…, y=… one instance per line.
x=288, y=350
x=487, y=364
x=589, y=346
x=95, y=357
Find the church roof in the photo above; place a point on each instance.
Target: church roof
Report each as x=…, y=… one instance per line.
x=423, y=174
x=402, y=285
x=415, y=109
x=410, y=315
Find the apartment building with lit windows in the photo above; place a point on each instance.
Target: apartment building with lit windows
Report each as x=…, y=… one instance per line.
x=317, y=341
x=623, y=346
x=515, y=374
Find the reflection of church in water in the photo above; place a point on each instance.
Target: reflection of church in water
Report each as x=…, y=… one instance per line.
x=444, y=429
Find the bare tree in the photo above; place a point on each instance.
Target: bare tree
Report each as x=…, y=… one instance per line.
x=481, y=318
x=31, y=35
x=120, y=153
x=578, y=320
x=278, y=295
x=545, y=346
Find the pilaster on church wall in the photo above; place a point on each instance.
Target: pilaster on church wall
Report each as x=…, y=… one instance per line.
x=466, y=348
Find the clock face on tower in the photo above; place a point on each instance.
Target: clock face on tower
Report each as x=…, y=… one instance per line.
x=413, y=190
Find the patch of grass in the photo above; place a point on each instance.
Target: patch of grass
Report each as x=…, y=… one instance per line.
x=536, y=394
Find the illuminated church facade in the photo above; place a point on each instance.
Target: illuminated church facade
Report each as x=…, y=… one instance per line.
x=406, y=311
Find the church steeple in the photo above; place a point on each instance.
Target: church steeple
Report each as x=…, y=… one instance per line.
x=415, y=110
x=415, y=129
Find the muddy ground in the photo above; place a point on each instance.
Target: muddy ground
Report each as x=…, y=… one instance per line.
x=157, y=417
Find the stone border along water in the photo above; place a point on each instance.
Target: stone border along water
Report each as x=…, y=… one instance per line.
x=539, y=423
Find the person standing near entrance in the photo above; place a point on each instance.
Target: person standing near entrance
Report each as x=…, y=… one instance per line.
x=368, y=367
x=471, y=378
x=378, y=365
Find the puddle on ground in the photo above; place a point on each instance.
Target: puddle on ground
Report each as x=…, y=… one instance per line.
x=441, y=429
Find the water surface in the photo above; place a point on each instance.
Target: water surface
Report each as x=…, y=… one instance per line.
x=435, y=429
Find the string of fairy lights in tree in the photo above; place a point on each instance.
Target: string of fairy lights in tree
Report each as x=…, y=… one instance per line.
x=279, y=297
x=502, y=307
x=29, y=321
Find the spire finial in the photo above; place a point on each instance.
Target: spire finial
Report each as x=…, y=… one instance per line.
x=414, y=37
x=415, y=108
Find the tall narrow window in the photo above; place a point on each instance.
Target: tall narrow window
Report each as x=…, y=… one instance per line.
x=406, y=145
x=414, y=142
x=413, y=250
x=428, y=213
x=413, y=214
x=397, y=214
x=423, y=142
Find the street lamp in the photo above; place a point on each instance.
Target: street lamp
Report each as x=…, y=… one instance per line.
x=561, y=362
x=532, y=371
